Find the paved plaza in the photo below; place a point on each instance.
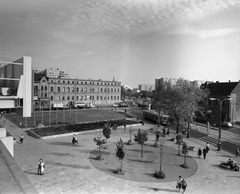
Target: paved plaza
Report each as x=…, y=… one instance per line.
x=74, y=169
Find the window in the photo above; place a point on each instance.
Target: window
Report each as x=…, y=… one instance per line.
x=81, y=89
x=117, y=97
x=63, y=89
x=77, y=97
x=97, y=97
x=100, y=97
x=59, y=81
x=58, y=98
x=114, y=97
x=73, y=82
x=111, y=90
x=51, y=97
x=72, y=89
x=68, y=98
x=58, y=89
x=68, y=89
x=51, y=89
x=64, y=82
x=111, y=97
x=77, y=90
x=92, y=97
x=72, y=97
x=63, y=98
x=101, y=90
x=69, y=82
x=45, y=95
x=45, y=88
x=41, y=88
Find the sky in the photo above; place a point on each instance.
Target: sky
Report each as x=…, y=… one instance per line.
x=134, y=41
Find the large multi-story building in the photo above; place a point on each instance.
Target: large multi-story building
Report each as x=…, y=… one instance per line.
x=228, y=103
x=146, y=87
x=56, y=73
x=49, y=90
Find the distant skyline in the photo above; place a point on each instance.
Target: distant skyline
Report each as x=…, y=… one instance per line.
x=135, y=41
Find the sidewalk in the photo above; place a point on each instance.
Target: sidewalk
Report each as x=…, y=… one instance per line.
x=69, y=170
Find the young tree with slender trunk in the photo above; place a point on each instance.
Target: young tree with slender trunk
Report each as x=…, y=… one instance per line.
x=107, y=131
x=141, y=138
x=99, y=141
x=120, y=153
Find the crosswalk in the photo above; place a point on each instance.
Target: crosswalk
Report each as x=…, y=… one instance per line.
x=212, y=137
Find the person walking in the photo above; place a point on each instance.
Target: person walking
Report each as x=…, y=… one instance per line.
x=204, y=153
x=237, y=153
x=208, y=125
x=21, y=138
x=184, y=185
x=179, y=183
x=39, y=166
x=207, y=147
x=199, y=152
x=42, y=164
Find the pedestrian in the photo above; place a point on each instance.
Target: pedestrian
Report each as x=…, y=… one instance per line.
x=21, y=138
x=196, y=127
x=237, y=153
x=204, y=153
x=179, y=183
x=183, y=131
x=74, y=139
x=184, y=185
x=199, y=152
x=168, y=131
x=42, y=164
x=39, y=166
x=208, y=125
x=207, y=147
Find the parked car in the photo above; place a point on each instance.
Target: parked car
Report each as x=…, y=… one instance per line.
x=123, y=104
x=225, y=124
x=115, y=105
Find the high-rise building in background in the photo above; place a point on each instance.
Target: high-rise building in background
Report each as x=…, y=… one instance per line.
x=146, y=87
x=56, y=73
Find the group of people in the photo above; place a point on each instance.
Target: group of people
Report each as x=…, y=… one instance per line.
x=41, y=166
x=181, y=184
x=203, y=151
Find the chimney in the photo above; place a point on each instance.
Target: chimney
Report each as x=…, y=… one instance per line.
x=229, y=81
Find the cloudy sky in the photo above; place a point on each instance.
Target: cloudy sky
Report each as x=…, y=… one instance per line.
x=135, y=41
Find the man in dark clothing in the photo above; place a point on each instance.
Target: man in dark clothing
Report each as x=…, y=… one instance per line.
x=204, y=153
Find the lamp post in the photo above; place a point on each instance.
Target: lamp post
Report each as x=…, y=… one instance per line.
x=220, y=119
x=161, y=141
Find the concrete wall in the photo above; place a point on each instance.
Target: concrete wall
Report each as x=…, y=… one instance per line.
x=7, y=141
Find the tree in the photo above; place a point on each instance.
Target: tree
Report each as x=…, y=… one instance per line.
x=179, y=139
x=130, y=142
x=120, y=153
x=99, y=141
x=106, y=131
x=185, y=151
x=180, y=100
x=141, y=138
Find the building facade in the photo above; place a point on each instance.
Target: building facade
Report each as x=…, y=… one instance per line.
x=48, y=90
x=56, y=73
x=228, y=103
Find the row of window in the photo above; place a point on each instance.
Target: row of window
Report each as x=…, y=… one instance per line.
x=76, y=98
x=86, y=82
x=82, y=89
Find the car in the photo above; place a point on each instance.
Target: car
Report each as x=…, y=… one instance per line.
x=115, y=105
x=225, y=124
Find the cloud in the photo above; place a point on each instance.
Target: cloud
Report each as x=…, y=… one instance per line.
x=139, y=16
x=201, y=33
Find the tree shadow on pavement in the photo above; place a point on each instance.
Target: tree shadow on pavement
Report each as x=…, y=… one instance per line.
x=160, y=189
x=68, y=165
x=64, y=144
x=61, y=154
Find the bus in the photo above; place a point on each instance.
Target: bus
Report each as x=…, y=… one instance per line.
x=153, y=115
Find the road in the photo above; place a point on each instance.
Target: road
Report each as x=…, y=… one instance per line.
x=230, y=136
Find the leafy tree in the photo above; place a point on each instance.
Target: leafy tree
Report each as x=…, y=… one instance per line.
x=180, y=100
x=107, y=131
x=179, y=139
x=99, y=141
x=141, y=138
x=185, y=151
x=120, y=153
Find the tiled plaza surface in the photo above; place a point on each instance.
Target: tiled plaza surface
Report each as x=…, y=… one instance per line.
x=69, y=168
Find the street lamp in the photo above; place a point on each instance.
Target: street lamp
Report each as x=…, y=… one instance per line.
x=220, y=119
x=161, y=141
